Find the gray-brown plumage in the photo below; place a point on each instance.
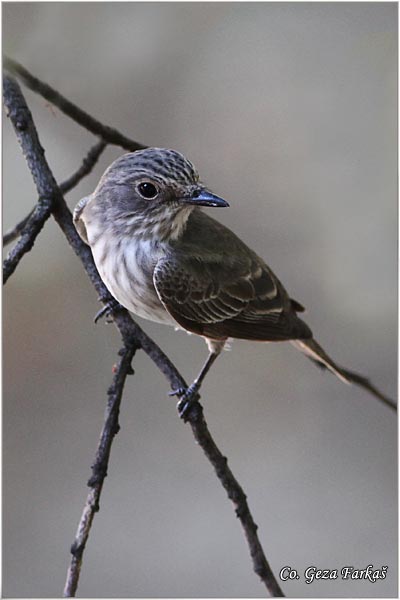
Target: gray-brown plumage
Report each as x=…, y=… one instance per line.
x=164, y=259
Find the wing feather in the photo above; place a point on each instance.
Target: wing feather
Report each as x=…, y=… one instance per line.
x=243, y=301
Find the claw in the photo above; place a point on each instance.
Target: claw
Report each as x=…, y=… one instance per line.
x=184, y=407
x=189, y=409
x=178, y=392
x=107, y=310
x=187, y=399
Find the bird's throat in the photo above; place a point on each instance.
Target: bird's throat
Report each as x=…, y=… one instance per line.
x=166, y=224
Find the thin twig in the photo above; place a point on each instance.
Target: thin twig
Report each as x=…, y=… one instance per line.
x=99, y=468
x=86, y=167
x=33, y=227
x=236, y=494
x=110, y=135
x=30, y=227
x=132, y=334
x=16, y=231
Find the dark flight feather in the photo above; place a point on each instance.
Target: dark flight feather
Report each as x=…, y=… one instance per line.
x=227, y=291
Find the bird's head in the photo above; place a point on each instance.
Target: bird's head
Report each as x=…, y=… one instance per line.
x=148, y=192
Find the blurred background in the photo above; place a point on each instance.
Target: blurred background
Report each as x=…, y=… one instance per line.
x=289, y=111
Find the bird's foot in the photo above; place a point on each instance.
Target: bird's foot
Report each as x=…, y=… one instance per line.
x=108, y=310
x=188, y=400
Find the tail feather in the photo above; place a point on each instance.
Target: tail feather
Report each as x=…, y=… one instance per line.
x=314, y=351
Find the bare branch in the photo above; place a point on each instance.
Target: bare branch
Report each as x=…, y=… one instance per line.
x=21, y=118
x=34, y=224
x=132, y=335
x=16, y=231
x=110, y=135
x=99, y=468
x=30, y=227
x=237, y=496
x=86, y=167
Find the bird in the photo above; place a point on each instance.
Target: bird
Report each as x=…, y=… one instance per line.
x=165, y=259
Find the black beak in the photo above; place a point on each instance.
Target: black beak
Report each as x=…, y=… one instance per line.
x=203, y=197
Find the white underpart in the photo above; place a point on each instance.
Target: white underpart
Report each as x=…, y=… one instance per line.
x=129, y=285
x=116, y=258
x=124, y=276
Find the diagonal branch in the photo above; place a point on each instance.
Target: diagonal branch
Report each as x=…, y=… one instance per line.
x=30, y=227
x=86, y=167
x=110, y=135
x=16, y=231
x=99, y=468
x=133, y=336
x=237, y=496
x=33, y=226
x=23, y=124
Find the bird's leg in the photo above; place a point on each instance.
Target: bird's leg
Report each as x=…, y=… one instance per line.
x=108, y=309
x=189, y=395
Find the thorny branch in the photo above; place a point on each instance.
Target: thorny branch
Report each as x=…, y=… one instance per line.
x=50, y=196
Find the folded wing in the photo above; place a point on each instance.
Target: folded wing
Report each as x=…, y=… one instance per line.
x=236, y=299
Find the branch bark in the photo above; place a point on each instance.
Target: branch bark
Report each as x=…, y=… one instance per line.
x=30, y=227
x=99, y=469
x=16, y=231
x=109, y=134
x=133, y=337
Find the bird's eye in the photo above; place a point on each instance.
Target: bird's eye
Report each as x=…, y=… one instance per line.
x=147, y=190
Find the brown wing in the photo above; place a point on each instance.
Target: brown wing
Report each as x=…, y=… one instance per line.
x=241, y=299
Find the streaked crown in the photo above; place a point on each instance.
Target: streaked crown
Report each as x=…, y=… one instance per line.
x=161, y=164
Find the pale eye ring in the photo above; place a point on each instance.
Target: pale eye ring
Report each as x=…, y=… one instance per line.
x=147, y=190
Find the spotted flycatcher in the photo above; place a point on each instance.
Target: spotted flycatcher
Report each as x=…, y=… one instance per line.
x=165, y=260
